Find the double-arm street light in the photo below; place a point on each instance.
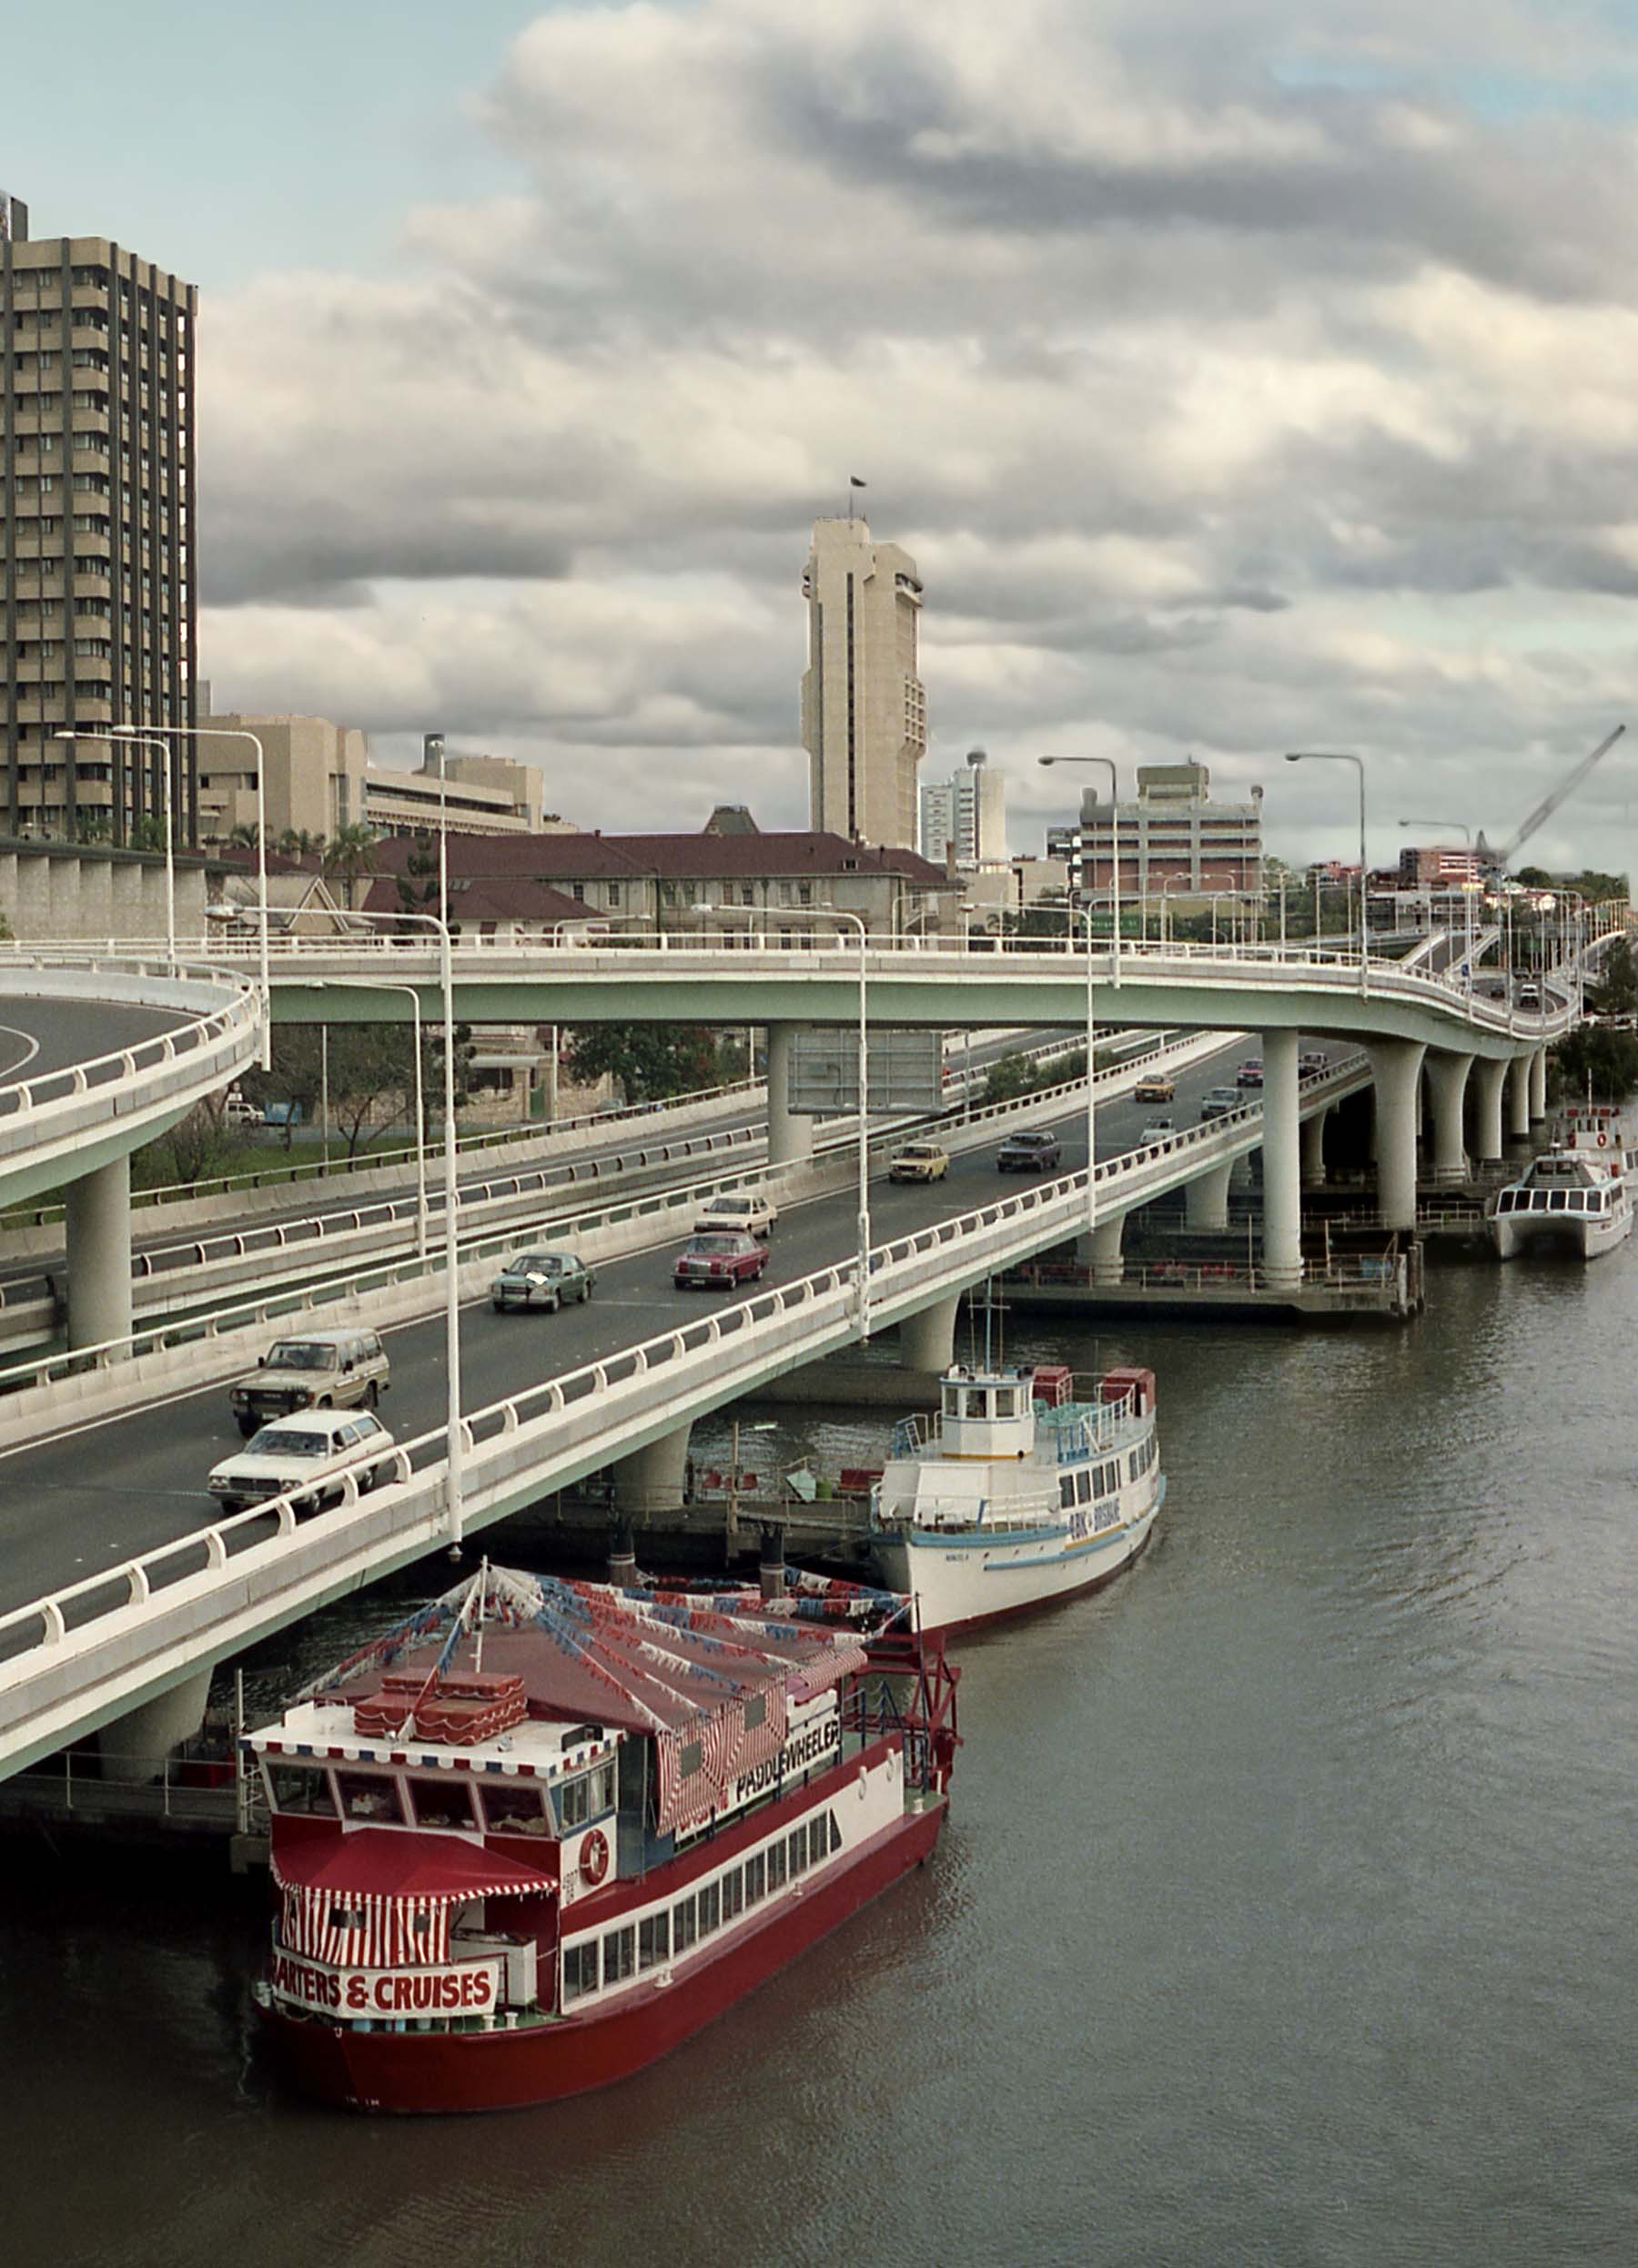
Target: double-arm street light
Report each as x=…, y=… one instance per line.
x=1331, y=755
x=142, y=740
x=1109, y=764
x=220, y=732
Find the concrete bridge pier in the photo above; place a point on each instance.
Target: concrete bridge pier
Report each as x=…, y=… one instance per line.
x=1447, y=1078
x=1105, y=1255
x=1537, y=1087
x=927, y=1341
x=1313, y=1150
x=1488, y=1080
x=1206, y=1198
x=99, y=1255
x=1518, y=1100
x=1396, y=1070
x=135, y=1749
x=790, y=1134
x=1282, y=1153
x=653, y=1478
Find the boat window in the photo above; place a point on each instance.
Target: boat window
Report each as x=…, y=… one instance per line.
x=1556, y=1200
x=299, y=1788
x=710, y=1908
x=1082, y=1484
x=1066, y=1491
x=603, y=1789
x=756, y=1878
x=683, y=1925
x=575, y=1801
x=835, y=1831
x=653, y=1940
x=776, y=1867
x=973, y=1406
x=579, y=1970
x=442, y=1803
x=620, y=1954
x=515, y=1806
x=734, y=1894
x=1006, y=1401
x=818, y=1840
x=369, y=1796
x=797, y=1846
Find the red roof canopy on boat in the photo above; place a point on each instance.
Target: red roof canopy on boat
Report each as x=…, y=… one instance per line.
x=390, y=1862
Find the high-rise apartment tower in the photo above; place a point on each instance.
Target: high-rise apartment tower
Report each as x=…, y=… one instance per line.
x=863, y=713
x=98, y=580
x=966, y=814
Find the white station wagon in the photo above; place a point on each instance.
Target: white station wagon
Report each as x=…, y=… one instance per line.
x=747, y=1210
x=303, y=1457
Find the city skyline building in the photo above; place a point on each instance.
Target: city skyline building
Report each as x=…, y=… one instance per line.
x=98, y=572
x=965, y=815
x=863, y=708
x=1174, y=837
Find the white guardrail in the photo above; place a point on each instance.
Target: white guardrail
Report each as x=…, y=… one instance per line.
x=220, y=1023
x=129, y=1360
x=201, y=1596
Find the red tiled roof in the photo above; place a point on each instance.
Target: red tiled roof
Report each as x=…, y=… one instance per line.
x=671, y=857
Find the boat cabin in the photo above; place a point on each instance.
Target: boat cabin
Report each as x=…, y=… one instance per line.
x=986, y=1413
x=1563, y=1181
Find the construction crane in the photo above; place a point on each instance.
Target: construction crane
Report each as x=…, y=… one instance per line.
x=1547, y=806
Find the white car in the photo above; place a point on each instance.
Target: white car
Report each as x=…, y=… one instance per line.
x=1157, y=1130
x=748, y=1211
x=303, y=1457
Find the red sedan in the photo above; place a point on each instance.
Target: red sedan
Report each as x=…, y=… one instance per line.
x=720, y=1260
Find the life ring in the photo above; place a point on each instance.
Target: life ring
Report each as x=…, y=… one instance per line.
x=1603, y=1141
x=595, y=1857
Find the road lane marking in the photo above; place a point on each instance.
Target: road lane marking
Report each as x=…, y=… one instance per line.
x=22, y=1061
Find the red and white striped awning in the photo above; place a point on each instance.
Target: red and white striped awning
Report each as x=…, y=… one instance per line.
x=380, y=1897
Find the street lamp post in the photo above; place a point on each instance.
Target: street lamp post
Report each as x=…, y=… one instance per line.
x=1109, y=764
x=1086, y=914
x=222, y=731
x=1331, y=756
x=142, y=741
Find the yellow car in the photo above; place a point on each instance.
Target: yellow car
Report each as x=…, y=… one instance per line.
x=918, y=1161
x=1156, y=1087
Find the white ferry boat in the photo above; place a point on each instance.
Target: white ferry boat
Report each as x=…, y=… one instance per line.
x=511, y=1880
x=1017, y=1494
x=1576, y=1196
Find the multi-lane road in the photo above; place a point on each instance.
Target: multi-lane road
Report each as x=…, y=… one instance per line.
x=93, y=1496
x=41, y=1036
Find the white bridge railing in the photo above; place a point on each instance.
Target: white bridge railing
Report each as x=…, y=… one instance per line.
x=197, y=1598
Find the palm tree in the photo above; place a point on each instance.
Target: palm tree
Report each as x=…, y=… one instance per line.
x=351, y=853
x=297, y=843
x=245, y=838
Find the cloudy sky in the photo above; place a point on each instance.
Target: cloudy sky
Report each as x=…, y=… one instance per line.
x=1245, y=375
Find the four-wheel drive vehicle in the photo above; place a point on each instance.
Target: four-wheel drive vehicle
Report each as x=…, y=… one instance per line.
x=322, y=1370
x=1035, y=1151
x=544, y=1279
x=1250, y=1073
x=746, y=1210
x=1216, y=1102
x=303, y=1457
x=720, y=1260
x=918, y=1161
x=1156, y=1087
x=1311, y=1062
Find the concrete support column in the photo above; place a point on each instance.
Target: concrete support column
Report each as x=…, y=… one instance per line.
x=1396, y=1068
x=927, y=1341
x=1447, y=1078
x=1282, y=1155
x=99, y=1255
x=1206, y=1198
x=133, y=1750
x=652, y=1479
x=1488, y=1079
x=1537, y=1087
x=1313, y=1150
x=1107, y=1265
x=790, y=1136
x=1518, y=1100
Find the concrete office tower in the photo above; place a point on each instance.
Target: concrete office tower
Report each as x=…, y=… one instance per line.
x=966, y=814
x=864, y=712
x=98, y=570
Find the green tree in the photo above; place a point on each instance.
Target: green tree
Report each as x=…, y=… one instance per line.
x=245, y=838
x=298, y=842
x=418, y=884
x=1617, y=991
x=1598, y=1060
x=350, y=853
x=652, y=1062
x=148, y=834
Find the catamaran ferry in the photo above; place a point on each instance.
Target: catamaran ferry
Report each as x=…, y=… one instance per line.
x=1017, y=1494
x=1578, y=1194
x=517, y=1877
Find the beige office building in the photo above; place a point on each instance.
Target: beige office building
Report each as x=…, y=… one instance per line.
x=98, y=576
x=864, y=712
x=319, y=779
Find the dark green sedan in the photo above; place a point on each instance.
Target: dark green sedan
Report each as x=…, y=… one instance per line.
x=546, y=1280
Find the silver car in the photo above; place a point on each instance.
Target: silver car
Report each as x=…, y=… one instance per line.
x=303, y=1457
